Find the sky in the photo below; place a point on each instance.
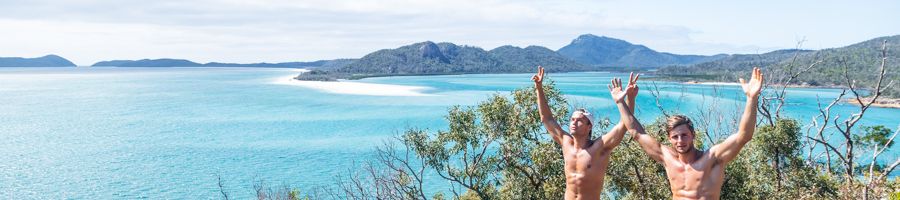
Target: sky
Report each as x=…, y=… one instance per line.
x=88, y=31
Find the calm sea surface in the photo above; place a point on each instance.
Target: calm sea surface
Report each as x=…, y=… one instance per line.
x=163, y=133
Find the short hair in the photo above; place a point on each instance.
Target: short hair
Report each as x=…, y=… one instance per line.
x=678, y=120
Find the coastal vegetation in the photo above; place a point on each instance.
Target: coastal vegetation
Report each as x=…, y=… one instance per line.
x=498, y=150
x=316, y=75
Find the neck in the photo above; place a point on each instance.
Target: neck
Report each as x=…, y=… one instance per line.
x=688, y=157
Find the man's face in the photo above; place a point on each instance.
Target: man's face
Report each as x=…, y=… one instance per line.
x=579, y=124
x=682, y=138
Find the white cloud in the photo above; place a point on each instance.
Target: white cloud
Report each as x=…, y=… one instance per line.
x=87, y=31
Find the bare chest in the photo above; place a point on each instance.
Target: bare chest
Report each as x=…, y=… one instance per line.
x=700, y=178
x=583, y=164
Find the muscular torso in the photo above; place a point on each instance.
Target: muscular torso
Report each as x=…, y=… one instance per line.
x=585, y=170
x=701, y=179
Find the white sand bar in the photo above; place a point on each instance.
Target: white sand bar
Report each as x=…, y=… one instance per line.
x=357, y=88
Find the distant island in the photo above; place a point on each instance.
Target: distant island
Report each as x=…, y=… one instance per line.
x=58, y=61
x=167, y=62
x=586, y=53
x=448, y=58
x=43, y=61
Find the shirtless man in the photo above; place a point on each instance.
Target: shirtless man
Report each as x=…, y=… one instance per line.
x=695, y=174
x=585, y=160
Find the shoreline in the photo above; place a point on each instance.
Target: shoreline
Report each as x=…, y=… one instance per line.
x=738, y=84
x=365, y=76
x=710, y=83
x=343, y=86
x=882, y=102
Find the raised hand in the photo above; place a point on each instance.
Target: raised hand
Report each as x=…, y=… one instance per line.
x=539, y=77
x=547, y=118
x=632, y=89
x=615, y=89
x=754, y=86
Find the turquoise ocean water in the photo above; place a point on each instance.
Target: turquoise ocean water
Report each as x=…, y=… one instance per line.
x=162, y=133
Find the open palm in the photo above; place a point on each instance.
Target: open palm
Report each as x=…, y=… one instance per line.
x=615, y=89
x=754, y=86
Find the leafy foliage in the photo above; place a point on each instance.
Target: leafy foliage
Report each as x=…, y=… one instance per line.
x=634, y=175
x=874, y=135
x=497, y=149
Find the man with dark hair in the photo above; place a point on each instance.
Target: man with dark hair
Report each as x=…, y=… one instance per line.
x=692, y=173
x=585, y=159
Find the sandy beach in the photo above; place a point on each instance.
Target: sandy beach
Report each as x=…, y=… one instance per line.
x=354, y=88
x=883, y=102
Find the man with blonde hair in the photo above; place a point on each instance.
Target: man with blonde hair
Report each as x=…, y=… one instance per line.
x=692, y=173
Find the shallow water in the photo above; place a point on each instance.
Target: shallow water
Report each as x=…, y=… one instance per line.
x=114, y=133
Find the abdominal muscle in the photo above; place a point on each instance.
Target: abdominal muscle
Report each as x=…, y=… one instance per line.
x=584, y=176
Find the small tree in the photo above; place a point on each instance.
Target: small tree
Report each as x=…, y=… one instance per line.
x=498, y=135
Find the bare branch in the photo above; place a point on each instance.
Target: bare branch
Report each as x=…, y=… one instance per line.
x=656, y=96
x=830, y=147
x=890, y=168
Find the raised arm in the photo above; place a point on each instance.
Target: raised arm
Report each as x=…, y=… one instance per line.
x=550, y=123
x=727, y=150
x=648, y=144
x=614, y=136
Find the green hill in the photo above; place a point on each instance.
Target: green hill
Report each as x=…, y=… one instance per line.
x=601, y=51
x=448, y=58
x=734, y=63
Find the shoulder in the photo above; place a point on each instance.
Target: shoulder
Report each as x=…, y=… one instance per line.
x=707, y=157
x=667, y=154
x=667, y=151
x=597, y=146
